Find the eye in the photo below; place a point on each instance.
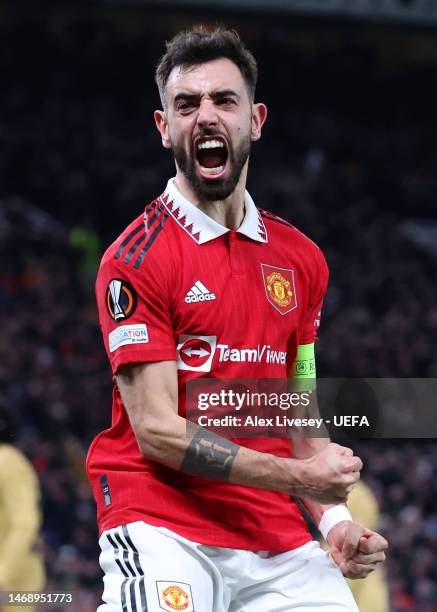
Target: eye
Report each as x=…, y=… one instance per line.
x=226, y=101
x=184, y=106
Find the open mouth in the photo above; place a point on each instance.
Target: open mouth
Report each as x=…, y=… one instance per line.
x=211, y=154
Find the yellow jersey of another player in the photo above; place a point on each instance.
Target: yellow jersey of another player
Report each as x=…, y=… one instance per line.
x=21, y=565
x=371, y=593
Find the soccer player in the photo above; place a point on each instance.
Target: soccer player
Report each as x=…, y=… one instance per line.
x=371, y=594
x=205, y=284
x=21, y=563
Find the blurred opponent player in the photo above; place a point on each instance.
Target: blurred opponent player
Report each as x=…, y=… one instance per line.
x=371, y=594
x=21, y=564
x=205, y=284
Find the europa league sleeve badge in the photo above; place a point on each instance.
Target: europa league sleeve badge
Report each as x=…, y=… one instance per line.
x=121, y=299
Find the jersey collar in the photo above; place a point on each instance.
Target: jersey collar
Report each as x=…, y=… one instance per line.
x=201, y=227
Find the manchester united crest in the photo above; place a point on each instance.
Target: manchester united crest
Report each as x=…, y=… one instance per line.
x=280, y=288
x=175, y=596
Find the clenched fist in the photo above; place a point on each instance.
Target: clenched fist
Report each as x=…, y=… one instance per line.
x=356, y=550
x=328, y=476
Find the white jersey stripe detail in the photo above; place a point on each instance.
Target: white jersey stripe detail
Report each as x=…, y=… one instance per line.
x=196, y=290
x=202, y=287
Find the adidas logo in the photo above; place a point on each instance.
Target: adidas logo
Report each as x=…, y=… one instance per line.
x=199, y=293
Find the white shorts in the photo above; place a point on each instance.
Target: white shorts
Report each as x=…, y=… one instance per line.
x=150, y=569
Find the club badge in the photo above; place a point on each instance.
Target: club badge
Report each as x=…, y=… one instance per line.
x=280, y=288
x=175, y=596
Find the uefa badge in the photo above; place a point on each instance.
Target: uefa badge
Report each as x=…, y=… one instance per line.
x=280, y=288
x=121, y=299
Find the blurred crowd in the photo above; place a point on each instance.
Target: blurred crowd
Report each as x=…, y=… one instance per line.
x=348, y=155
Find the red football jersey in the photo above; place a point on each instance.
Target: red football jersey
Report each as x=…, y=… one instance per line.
x=176, y=285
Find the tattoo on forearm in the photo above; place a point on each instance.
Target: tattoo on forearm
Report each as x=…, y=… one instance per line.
x=210, y=456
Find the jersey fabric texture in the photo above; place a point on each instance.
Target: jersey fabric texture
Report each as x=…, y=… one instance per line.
x=176, y=285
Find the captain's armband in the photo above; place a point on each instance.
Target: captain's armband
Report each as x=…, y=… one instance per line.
x=303, y=372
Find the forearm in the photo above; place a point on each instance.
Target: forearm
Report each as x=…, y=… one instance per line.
x=308, y=446
x=150, y=396
x=318, y=511
x=303, y=448
x=195, y=450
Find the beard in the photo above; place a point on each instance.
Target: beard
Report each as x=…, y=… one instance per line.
x=219, y=189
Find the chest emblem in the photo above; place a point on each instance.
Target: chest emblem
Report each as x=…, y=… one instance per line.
x=280, y=288
x=199, y=293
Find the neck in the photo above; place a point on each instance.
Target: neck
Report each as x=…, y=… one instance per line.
x=228, y=212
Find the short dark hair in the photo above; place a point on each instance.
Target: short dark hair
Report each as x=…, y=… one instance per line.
x=198, y=46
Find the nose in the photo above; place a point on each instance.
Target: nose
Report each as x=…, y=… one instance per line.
x=207, y=115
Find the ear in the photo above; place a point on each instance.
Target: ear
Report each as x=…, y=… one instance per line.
x=259, y=116
x=162, y=125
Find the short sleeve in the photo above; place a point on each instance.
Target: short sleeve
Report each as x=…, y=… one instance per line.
x=134, y=312
x=316, y=294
